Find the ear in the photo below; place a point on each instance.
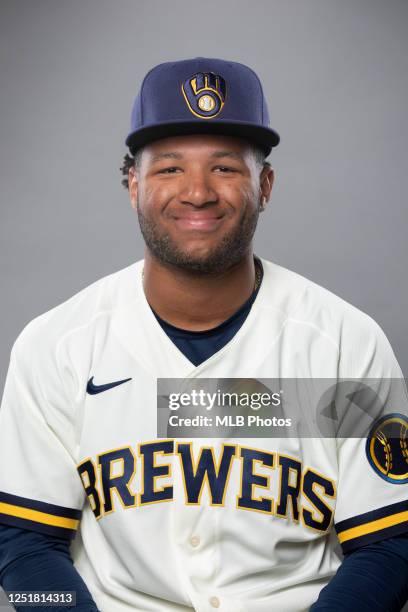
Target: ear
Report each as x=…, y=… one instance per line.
x=267, y=179
x=133, y=187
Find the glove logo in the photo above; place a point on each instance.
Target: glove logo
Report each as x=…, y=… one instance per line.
x=387, y=448
x=204, y=94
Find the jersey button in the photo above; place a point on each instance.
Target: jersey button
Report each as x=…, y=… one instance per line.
x=194, y=541
x=215, y=602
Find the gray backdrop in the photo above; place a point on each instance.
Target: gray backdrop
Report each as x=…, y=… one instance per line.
x=336, y=76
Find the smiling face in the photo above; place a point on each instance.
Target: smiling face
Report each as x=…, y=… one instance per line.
x=198, y=200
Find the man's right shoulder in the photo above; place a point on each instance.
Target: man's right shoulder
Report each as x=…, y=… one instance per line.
x=101, y=298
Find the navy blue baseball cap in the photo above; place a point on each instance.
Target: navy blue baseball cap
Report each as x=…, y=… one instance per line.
x=201, y=96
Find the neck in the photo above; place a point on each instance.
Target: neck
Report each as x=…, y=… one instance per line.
x=196, y=301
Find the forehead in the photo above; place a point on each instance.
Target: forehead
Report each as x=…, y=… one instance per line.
x=203, y=145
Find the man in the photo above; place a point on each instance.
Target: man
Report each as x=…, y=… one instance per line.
x=222, y=522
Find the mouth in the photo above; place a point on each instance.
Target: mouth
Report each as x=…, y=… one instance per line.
x=201, y=221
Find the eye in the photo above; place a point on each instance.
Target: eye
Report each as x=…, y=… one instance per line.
x=225, y=169
x=170, y=170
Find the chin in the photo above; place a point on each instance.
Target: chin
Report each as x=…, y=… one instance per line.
x=202, y=256
x=189, y=261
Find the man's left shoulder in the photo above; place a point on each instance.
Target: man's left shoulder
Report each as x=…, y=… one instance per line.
x=295, y=293
x=306, y=304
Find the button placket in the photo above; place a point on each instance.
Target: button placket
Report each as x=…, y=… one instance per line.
x=195, y=541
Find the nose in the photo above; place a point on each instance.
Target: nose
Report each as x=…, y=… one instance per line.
x=197, y=190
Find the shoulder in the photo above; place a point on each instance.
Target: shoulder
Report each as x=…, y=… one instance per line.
x=308, y=306
x=307, y=301
x=87, y=308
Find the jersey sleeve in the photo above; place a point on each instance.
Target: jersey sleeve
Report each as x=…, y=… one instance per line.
x=372, y=491
x=40, y=489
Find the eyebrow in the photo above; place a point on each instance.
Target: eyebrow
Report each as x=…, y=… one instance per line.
x=169, y=155
x=232, y=154
x=216, y=154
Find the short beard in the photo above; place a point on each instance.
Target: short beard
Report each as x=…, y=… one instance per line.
x=232, y=248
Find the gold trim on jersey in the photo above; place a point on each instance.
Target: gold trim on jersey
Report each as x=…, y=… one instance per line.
x=372, y=526
x=38, y=517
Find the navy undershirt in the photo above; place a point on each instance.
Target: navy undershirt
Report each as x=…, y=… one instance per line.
x=198, y=346
x=373, y=578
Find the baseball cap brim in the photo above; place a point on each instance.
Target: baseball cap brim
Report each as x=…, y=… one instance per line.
x=263, y=137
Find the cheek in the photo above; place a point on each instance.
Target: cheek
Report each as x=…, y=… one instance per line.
x=247, y=196
x=151, y=197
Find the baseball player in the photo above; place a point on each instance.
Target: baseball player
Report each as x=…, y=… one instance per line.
x=168, y=522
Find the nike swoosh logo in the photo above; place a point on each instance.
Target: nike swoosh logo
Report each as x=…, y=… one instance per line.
x=94, y=389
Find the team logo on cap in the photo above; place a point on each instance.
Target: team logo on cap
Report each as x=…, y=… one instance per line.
x=387, y=448
x=204, y=94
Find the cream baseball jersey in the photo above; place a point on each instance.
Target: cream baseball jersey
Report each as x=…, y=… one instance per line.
x=241, y=525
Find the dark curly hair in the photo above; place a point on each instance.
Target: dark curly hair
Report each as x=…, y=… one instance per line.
x=130, y=161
